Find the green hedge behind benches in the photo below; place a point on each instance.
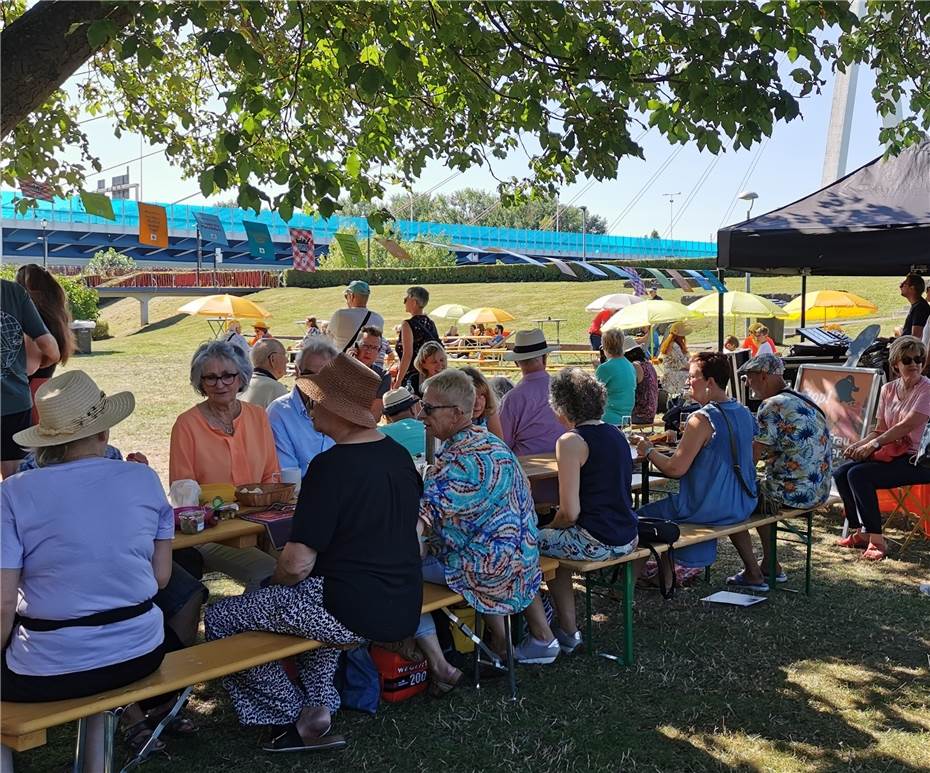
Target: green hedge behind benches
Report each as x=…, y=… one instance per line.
x=469, y=274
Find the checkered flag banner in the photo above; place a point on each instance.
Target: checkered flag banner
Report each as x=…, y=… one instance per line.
x=638, y=287
x=302, y=249
x=31, y=189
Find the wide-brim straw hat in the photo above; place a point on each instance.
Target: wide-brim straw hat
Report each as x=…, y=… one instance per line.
x=681, y=328
x=71, y=407
x=529, y=344
x=344, y=387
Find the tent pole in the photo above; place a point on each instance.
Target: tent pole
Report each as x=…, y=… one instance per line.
x=720, y=312
x=748, y=290
x=803, y=298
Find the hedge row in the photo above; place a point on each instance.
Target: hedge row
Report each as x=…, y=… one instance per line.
x=466, y=274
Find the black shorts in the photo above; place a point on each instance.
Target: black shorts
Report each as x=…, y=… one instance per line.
x=10, y=424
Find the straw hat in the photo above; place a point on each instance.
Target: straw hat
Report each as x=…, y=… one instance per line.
x=681, y=329
x=71, y=407
x=398, y=400
x=529, y=344
x=345, y=387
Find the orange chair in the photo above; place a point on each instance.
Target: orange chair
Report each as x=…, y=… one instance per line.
x=908, y=502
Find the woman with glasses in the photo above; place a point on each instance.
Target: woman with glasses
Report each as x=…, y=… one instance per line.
x=224, y=440
x=414, y=332
x=882, y=459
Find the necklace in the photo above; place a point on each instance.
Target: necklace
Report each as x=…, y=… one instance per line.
x=217, y=421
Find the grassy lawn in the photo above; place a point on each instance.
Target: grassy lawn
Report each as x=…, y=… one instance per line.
x=837, y=681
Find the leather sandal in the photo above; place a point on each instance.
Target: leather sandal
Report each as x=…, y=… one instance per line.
x=439, y=688
x=855, y=540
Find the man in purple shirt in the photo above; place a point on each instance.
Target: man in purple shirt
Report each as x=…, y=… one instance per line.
x=530, y=426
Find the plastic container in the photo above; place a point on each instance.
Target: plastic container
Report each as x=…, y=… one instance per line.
x=400, y=679
x=190, y=520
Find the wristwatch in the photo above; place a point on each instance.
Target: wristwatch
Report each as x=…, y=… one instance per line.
x=875, y=443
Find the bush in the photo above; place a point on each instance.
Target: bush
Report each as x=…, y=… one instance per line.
x=109, y=262
x=83, y=300
x=465, y=274
x=101, y=330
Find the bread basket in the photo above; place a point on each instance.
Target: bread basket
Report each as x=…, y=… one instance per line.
x=271, y=494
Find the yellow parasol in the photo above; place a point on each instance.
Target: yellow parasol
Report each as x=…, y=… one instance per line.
x=823, y=305
x=484, y=315
x=225, y=306
x=449, y=311
x=649, y=313
x=738, y=304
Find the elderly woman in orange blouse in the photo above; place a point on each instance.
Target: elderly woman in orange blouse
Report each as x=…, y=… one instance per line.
x=225, y=440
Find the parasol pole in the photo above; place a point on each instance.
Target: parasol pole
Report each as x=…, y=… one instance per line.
x=720, y=312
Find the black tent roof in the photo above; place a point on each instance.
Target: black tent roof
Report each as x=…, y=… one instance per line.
x=874, y=221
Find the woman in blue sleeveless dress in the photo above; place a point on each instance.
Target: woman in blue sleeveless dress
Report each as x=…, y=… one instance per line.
x=709, y=492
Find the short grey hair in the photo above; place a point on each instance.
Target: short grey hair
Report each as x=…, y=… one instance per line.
x=46, y=456
x=220, y=350
x=456, y=387
x=577, y=395
x=319, y=345
x=612, y=342
x=906, y=345
x=419, y=294
x=501, y=385
x=263, y=349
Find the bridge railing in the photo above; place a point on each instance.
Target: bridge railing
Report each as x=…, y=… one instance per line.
x=208, y=279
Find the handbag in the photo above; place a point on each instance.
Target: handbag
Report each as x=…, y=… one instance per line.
x=891, y=451
x=356, y=681
x=922, y=457
x=658, y=531
x=765, y=505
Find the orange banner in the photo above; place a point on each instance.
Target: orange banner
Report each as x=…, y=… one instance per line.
x=153, y=225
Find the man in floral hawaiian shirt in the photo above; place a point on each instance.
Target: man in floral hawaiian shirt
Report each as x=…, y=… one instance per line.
x=794, y=441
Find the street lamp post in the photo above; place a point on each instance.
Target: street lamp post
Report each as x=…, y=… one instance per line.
x=671, y=212
x=751, y=197
x=584, y=229
x=44, y=243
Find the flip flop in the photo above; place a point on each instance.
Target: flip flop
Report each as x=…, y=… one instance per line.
x=291, y=741
x=855, y=540
x=873, y=553
x=438, y=688
x=740, y=581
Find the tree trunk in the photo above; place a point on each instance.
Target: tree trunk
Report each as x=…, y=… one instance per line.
x=37, y=53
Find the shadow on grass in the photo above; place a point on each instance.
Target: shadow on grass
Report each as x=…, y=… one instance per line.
x=93, y=355
x=160, y=325
x=836, y=681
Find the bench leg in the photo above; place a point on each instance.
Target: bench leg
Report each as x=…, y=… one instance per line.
x=477, y=651
x=773, y=555
x=141, y=755
x=80, y=745
x=628, y=586
x=588, y=622
x=110, y=724
x=809, y=517
x=511, y=663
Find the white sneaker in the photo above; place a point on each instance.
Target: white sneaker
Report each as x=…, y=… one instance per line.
x=535, y=652
x=568, y=643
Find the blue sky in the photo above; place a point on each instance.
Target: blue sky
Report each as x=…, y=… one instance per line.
x=789, y=167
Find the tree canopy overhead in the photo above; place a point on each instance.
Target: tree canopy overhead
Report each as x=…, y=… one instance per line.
x=294, y=104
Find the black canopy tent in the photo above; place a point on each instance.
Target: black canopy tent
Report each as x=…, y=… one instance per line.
x=875, y=221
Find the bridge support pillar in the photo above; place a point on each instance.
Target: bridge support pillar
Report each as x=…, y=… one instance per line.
x=144, y=309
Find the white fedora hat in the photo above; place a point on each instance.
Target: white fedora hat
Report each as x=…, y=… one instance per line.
x=71, y=406
x=529, y=344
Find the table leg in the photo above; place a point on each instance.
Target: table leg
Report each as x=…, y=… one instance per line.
x=628, y=586
x=644, y=490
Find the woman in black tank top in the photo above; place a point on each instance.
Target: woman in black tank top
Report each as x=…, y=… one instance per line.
x=414, y=332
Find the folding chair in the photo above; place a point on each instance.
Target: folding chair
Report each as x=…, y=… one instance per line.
x=907, y=498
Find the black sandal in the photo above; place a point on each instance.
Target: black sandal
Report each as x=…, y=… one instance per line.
x=291, y=741
x=137, y=735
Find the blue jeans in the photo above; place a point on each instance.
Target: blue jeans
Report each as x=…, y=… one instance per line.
x=432, y=572
x=859, y=482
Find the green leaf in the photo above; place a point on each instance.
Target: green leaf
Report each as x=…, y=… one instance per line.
x=792, y=54
x=206, y=182
x=285, y=209
x=371, y=80
x=353, y=165
x=251, y=61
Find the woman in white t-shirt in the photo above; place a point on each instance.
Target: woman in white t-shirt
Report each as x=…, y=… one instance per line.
x=882, y=459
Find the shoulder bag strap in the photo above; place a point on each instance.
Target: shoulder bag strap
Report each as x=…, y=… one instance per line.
x=805, y=398
x=359, y=330
x=734, y=456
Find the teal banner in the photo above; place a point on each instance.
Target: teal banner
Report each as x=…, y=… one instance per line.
x=260, y=245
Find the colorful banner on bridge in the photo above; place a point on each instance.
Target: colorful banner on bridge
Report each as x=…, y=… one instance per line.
x=663, y=280
x=211, y=229
x=302, y=249
x=393, y=247
x=260, y=244
x=32, y=189
x=680, y=280
x=638, y=287
x=153, y=225
x=97, y=204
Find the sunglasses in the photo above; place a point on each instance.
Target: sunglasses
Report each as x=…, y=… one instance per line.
x=427, y=409
x=226, y=378
x=917, y=360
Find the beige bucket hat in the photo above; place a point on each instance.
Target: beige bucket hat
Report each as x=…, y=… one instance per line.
x=345, y=387
x=529, y=344
x=71, y=407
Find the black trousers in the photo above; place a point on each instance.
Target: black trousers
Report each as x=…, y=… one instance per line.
x=858, y=484
x=24, y=688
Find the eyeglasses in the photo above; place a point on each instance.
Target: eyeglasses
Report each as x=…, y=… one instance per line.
x=428, y=409
x=212, y=379
x=369, y=347
x=918, y=360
